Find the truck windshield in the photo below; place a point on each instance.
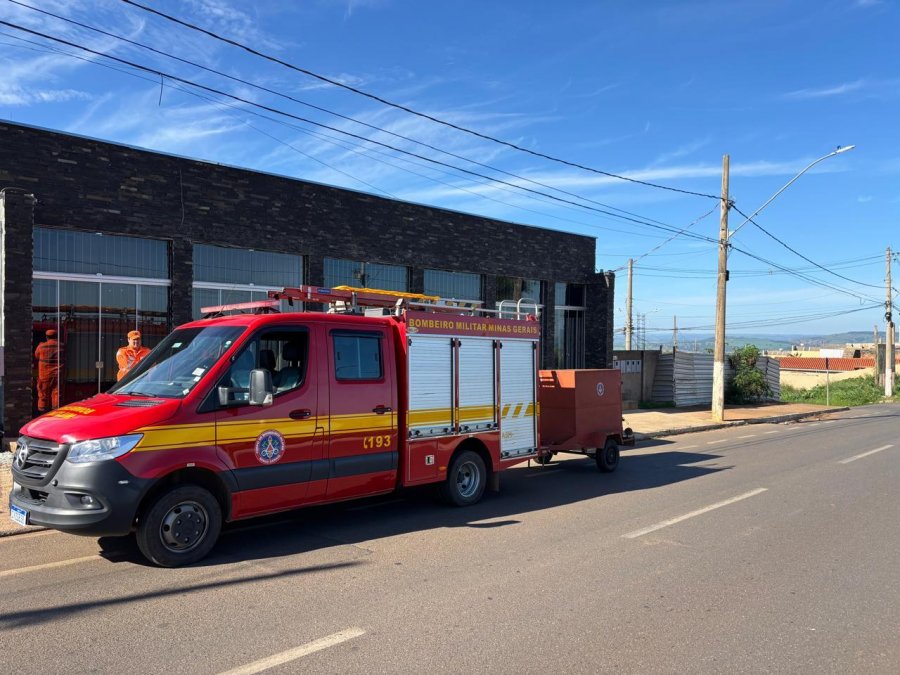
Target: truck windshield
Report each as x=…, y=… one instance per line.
x=179, y=362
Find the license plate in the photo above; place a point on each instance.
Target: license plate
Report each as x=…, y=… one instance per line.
x=18, y=515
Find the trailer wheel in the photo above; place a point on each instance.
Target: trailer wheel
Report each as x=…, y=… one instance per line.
x=608, y=457
x=180, y=527
x=466, y=479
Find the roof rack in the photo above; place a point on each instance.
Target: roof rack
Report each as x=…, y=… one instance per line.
x=255, y=307
x=351, y=300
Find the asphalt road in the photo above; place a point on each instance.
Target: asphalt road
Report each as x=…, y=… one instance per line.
x=766, y=548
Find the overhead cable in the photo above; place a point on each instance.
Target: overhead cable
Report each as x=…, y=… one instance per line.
x=319, y=124
x=407, y=109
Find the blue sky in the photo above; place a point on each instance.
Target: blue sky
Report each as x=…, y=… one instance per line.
x=656, y=91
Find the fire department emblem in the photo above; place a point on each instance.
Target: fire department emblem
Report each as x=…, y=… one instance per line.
x=600, y=389
x=269, y=447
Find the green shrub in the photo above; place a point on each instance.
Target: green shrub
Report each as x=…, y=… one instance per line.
x=856, y=391
x=749, y=383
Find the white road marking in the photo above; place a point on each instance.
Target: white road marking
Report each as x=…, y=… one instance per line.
x=698, y=512
x=774, y=431
x=685, y=447
x=748, y=436
x=47, y=566
x=724, y=440
x=864, y=454
x=296, y=652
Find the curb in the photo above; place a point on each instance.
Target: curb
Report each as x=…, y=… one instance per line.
x=736, y=423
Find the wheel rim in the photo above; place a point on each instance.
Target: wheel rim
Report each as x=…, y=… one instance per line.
x=468, y=478
x=612, y=455
x=184, y=526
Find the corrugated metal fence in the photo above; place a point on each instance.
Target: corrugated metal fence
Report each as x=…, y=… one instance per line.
x=685, y=378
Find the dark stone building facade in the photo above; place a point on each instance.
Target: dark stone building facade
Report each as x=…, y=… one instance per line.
x=55, y=182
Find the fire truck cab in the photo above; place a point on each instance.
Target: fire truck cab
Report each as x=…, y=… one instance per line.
x=240, y=415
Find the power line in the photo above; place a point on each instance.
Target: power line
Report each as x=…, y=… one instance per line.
x=318, y=108
x=663, y=243
x=406, y=109
x=800, y=275
x=342, y=144
x=170, y=76
x=796, y=252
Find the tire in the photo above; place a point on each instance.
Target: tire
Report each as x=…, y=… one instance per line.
x=466, y=479
x=608, y=457
x=544, y=459
x=180, y=527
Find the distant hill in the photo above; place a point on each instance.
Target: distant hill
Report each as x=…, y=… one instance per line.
x=702, y=342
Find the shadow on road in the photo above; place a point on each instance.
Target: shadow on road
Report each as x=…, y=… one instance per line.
x=523, y=490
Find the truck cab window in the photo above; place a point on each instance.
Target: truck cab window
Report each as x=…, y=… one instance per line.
x=357, y=356
x=282, y=352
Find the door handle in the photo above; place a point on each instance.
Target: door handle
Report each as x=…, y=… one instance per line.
x=381, y=409
x=301, y=414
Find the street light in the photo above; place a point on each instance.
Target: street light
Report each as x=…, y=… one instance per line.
x=718, y=393
x=836, y=151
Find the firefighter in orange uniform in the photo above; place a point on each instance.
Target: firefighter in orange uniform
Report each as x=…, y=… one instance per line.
x=131, y=354
x=49, y=357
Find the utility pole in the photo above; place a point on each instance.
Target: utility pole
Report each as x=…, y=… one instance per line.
x=718, y=393
x=629, y=327
x=888, y=333
x=674, y=333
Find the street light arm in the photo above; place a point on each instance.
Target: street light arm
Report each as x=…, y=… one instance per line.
x=788, y=184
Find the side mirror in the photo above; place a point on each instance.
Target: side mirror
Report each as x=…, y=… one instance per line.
x=261, y=388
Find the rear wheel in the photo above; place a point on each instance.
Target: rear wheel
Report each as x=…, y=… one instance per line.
x=607, y=457
x=544, y=458
x=466, y=479
x=180, y=527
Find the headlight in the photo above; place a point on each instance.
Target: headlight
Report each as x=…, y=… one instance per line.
x=102, y=448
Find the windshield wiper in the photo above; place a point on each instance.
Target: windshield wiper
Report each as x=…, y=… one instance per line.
x=137, y=393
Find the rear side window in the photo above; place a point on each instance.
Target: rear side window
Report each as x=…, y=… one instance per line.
x=357, y=356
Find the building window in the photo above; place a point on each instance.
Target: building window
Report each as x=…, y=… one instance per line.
x=67, y=252
x=568, y=333
x=456, y=285
x=218, y=264
x=511, y=289
x=89, y=291
x=227, y=276
x=340, y=272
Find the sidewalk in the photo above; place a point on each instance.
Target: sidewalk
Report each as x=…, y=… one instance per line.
x=646, y=424
x=672, y=421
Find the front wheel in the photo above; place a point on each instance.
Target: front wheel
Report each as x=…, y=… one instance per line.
x=466, y=479
x=180, y=527
x=608, y=456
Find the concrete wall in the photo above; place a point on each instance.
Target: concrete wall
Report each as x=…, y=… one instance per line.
x=806, y=380
x=637, y=387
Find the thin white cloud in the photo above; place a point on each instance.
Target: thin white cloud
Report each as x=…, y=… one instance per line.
x=17, y=96
x=835, y=90
x=864, y=199
x=681, y=151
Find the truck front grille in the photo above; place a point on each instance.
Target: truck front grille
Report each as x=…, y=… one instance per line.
x=36, y=460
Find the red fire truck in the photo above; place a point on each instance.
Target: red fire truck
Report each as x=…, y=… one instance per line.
x=247, y=414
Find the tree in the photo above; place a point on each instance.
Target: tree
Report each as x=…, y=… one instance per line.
x=749, y=383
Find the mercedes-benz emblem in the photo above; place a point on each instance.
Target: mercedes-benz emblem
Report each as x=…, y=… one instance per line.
x=21, y=454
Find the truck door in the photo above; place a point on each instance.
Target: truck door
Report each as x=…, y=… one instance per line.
x=363, y=443
x=273, y=448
